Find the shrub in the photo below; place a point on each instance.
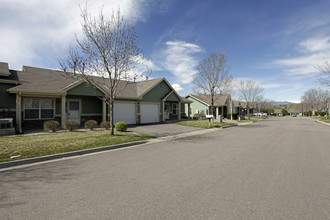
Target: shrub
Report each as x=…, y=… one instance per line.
x=51, y=125
x=71, y=125
x=105, y=124
x=322, y=114
x=234, y=116
x=121, y=126
x=200, y=116
x=308, y=113
x=91, y=124
x=241, y=117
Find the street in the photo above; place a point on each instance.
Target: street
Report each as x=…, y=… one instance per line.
x=277, y=168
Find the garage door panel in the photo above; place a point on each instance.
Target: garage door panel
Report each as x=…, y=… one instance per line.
x=149, y=113
x=124, y=112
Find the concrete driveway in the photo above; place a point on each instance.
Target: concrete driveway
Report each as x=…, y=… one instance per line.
x=162, y=130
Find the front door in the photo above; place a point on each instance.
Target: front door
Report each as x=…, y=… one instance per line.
x=73, y=112
x=167, y=111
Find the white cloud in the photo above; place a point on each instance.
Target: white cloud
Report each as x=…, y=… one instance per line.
x=37, y=29
x=314, y=52
x=293, y=88
x=181, y=60
x=272, y=85
x=177, y=87
x=316, y=44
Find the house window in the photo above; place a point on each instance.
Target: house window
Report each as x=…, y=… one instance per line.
x=35, y=108
x=174, y=109
x=205, y=112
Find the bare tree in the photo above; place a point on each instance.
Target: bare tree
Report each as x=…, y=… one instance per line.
x=108, y=55
x=311, y=99
x=213, y=77
x=324, y=79
x=324, y=96
x=249, y=91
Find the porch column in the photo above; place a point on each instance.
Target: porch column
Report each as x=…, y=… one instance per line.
x=163, y=111
x=104, y=111
x=217, y=112
x=179, y=115
x=222, y=112
x=63, y=112
x=189, y=111
x=19, y=113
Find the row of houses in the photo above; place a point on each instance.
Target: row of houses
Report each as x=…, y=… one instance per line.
x=34, y=95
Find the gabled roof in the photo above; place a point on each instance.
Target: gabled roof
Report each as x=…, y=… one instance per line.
x=44, y=81
x=37, y=80
x=220, y=100
x=294, y=110
x=236, y=103
x=277, y=111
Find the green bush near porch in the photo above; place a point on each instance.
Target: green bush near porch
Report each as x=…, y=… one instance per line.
x=71, y=125
x=29, y=146
x=91, y=124
x=121, y=126
x=51, y=126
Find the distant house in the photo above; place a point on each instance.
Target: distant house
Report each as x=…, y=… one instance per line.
x=244, y=109
x=201, y=104
x=294, y=111
x=277, y=111
x=35, y=95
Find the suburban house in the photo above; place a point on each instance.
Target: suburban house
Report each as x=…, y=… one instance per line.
x=244, y=109
x=35, y=95
x=201, y=104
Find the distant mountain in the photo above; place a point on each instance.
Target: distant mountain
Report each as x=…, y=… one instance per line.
x=282, y=103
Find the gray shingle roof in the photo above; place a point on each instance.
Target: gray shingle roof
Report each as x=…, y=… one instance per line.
x=220, y=100
x=38, y=80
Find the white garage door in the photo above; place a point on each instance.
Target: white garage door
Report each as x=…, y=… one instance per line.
x=149, y=113
x=125, y=112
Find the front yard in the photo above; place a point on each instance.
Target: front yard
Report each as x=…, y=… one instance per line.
x=204, y=124
x=29, y=146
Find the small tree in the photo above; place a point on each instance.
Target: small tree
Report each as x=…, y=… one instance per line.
x=249, y=91
x=213, y=77
x=109, y=55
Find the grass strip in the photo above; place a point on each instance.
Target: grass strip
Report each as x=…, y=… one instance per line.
x=203, y=124
x=325, y=120
x=29, y=146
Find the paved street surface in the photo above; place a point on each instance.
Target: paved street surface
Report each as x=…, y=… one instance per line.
x=274, y=169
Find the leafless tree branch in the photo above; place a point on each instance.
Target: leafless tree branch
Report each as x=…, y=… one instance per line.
x=108, y=55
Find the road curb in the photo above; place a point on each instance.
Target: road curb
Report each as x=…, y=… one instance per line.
x=322, y=122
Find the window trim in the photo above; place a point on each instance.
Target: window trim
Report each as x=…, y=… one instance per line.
x=39, y=109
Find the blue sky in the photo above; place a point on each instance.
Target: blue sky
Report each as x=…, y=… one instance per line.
x=276, y=43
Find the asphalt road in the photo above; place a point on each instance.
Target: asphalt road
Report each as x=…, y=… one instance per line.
x=274, y=169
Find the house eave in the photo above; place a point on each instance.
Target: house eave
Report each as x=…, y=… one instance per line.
x=7, y=81
x=38, y=94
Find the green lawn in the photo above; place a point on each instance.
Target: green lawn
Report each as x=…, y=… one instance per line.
x=52, y=143
x=203, y=124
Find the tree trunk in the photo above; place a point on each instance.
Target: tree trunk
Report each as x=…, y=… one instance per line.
x=112, y=126
x=248, y=113
x=231, y=110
